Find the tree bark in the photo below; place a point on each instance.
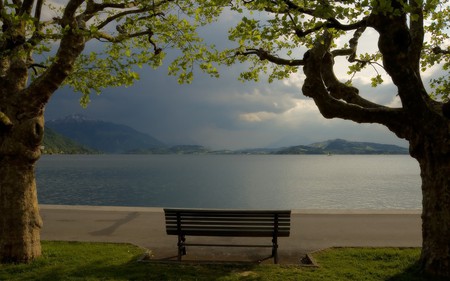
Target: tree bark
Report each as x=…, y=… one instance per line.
x=435, y=171
x=22, y=128
x=20, y=221
x=428, y=131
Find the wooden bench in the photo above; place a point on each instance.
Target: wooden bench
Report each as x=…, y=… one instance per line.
x=231, y=223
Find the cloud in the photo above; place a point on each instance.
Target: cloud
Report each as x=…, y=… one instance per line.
x=295, y=80
x=395, y=102
x=257, y=116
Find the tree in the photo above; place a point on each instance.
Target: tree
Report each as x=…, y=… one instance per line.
x=42, y=48
x=277, y=37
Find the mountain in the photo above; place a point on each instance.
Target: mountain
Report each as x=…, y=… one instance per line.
x=56, y=143
x=109, y=137
x=340, y=146
x=103, y=136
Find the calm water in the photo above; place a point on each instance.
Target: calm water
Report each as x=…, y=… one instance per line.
x=231, y=181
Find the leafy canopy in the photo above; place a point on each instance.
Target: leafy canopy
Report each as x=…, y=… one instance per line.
x=120, y=36
x=273, y=35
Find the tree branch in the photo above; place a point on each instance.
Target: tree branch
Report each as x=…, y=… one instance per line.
x=354, y=41
x=352, y=50
x=336, y=100
x=37, y=12
x=329, y=22
x=96, y=7
x=339, y=90
x=71, y=46
x=121, y=37
x=292, y=6
x=417, y=33
x=438, y=50
x=18, y=4
x=36, y=65
x=69, y=13
x=400, y=61
x=264, y=55
x=26, y=7
x=302, y=33
x=37, y=35
x=93, y=8
x=118, y=16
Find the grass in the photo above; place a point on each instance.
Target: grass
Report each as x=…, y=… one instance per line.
x=102, y=261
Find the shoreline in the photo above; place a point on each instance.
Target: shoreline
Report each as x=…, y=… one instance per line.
x=294, y=211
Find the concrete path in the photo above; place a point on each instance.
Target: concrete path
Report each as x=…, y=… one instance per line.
x=311, y=230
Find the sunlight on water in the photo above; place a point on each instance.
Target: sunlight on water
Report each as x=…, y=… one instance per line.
x=231, y=181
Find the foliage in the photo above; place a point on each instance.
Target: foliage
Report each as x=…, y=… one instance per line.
x=120, y=36
x=274, y=35
x=98, y=261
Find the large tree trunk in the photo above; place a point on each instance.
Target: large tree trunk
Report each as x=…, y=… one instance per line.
x=22, y=123
x=20, y=221
x=435, y=173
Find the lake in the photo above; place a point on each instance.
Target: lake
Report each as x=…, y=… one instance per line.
x=231, y=181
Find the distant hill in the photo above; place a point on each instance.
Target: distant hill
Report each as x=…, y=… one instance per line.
x=55, y=143
x=83, y=135
x=340, y=146
x=103, y=136
x=337, y=146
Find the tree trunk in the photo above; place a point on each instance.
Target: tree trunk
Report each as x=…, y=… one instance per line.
x=435, y=173
x=20, y=221
x=22, y=123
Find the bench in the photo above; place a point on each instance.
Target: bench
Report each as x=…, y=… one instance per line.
x=231, y=223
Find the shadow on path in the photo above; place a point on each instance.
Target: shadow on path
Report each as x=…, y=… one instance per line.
x=111, y=229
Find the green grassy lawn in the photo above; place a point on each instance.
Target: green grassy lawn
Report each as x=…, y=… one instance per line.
x=100, y=261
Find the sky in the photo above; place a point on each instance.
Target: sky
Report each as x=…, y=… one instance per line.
x=224, y=113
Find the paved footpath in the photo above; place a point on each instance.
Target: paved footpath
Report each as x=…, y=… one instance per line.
x=311, y=230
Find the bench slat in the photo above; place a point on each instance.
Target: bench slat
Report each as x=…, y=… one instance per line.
x=224, y=216
x=228, y=216
x=230, y=223
x=224, y=221
x=240, y=220
x=228, y=232
x=234, y=216
x=186, y=228
x=225, y=211
x=229, y=245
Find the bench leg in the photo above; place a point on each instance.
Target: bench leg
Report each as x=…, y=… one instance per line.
x=275, y=250
x=181, y=246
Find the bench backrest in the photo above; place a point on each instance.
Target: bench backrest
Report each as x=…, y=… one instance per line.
x=240, y=223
